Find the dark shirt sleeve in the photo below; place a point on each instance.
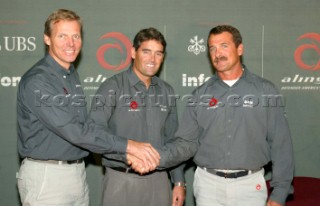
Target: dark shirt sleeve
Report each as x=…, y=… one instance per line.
x=102, y=108
x=171, y=125
x=177, y=173
x=185, y=142
x=279, y=139
x=59, y=120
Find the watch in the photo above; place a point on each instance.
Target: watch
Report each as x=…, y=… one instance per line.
x=180, y=184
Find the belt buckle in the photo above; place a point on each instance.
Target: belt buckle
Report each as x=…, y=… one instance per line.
x=225, y=175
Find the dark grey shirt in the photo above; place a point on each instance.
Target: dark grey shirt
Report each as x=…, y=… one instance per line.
x=237, y=127
x=129, y=109
x=51, y=114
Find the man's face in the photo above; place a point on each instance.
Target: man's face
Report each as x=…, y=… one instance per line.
x=147, y=59
x=224, y=54
x=65, y=42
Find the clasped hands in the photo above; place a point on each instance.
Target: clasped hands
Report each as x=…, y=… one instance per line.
x=142, y=157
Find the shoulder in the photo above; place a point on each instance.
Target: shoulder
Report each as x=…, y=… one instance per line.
x=202, y=89
x=39, y=72
x=267, y=85
x=164, y=85
x=114, y=82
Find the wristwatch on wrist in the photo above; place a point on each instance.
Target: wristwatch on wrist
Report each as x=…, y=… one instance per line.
x=180, y=184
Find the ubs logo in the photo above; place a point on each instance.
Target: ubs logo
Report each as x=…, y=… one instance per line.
x=122, y=45
x=312, y=47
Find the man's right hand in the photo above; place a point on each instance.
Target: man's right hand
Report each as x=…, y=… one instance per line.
x=138, y=165
x=142, y=156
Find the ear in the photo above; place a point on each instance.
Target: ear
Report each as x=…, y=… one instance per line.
x=164, y=56
x=133, y=53
x=240, y=49
x=46, y=40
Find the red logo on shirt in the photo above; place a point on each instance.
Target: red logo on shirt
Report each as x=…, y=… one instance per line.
x=258, y=187
x=311, y=48
x=213, y=102
x=134, y=105
x=126, y=44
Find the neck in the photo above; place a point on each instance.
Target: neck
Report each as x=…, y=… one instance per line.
x=147, y=83
x=231, y=75
x=65, y=66
x=145, y=79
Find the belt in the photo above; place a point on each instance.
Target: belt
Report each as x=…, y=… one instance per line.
x=58, y=162
x=241, y=173
x=130, y=171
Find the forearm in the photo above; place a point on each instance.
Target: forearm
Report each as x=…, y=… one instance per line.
x=177, y=173
x=176, y=152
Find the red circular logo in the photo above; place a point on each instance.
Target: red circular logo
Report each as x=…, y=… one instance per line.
x=258, y=187
x=312, y=46
x=126, y=43
x=134, y=105
x=213, y=102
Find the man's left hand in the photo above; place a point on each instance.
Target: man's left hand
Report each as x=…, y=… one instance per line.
x=178, y=196
x=273, y=203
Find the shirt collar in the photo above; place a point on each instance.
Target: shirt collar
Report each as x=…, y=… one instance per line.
x=57, y=67
x=244, y=75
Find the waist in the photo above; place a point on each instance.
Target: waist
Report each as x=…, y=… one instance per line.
x=58, y=162
x=230, y=173
x=129, y=170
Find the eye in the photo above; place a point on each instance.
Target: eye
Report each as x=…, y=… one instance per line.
x=62, y=36
x=159, y=54
x=212, y=49
x=145, y=51
x=77, y=36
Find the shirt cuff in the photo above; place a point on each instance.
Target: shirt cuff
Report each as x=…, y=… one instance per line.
x=280, y=195
x=121, y=144
x=177, y=174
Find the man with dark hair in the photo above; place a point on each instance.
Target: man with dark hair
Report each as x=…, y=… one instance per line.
x=138, y=105
x=51, y=114
x=235, y=127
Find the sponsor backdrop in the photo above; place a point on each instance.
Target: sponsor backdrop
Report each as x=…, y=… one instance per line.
x=281, y=39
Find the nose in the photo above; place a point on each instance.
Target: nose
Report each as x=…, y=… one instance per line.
x=70, y=41
x=153, y=56
x=217, y=52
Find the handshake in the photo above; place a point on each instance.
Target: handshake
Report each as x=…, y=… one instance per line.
x=142, y=157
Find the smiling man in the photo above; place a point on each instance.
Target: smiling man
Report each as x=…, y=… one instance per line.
x=52, y=126
x=141, y=110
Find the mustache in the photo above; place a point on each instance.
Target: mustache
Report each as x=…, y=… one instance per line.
x=222, y=58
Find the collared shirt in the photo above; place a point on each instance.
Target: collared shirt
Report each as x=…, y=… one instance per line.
x=237, y=127
x=51, y=114
x=130, y=110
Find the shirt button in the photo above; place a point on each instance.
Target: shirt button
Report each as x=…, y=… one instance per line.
x=229, y=120
x=64, y=77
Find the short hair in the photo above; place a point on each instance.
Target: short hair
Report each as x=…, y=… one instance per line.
x=149, y=34
x=58, y=15
x=237, y=39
